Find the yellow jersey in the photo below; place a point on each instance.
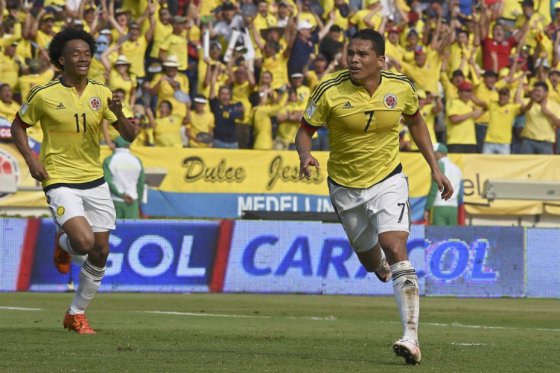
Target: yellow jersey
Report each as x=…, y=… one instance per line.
x=176, y=45
x=8, y=111
x=429, y=118
x=538, y=126
x=9, y=71
x=240, y=93
x=482, y=92
x=277, y=65
x=427, y=76
x=27, y=82
x=363, y=129
x=287, y=130
x=168, y=131
x=71, y=126
x=462, y=133
x=116, y=81
x=96, y=71
x=501, y=122
x=134, y=52
x=200, y=123
x=161, y=32
x=166, y=92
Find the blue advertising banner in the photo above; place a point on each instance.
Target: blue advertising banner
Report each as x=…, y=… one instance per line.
x=543, y=263
x=147, y=255
x=302, y=257
x=12, y=234
x=475, y=261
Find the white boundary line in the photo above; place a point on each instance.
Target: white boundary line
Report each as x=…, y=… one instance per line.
x=19, y=308
x=315, y=318
x=469, y=344
x=459, y=325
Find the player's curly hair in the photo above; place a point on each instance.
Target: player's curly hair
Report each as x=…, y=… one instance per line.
x=59, y=42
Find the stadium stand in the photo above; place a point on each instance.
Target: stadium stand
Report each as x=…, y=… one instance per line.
x=460, y=54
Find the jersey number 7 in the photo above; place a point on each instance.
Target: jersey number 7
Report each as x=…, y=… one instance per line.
x=369, y=114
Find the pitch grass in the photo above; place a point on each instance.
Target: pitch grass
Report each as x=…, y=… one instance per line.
x=278, y=333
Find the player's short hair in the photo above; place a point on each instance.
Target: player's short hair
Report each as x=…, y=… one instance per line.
x=59, y=42
x=377, y=40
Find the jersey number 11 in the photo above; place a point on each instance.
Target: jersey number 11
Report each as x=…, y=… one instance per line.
x=77, y=117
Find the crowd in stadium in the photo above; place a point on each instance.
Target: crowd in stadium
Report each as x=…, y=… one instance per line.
x=238, y=74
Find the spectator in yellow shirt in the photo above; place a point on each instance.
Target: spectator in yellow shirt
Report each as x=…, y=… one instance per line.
x=484, y=91
x=461, y=114
x=168, y=84
x=167, y=126
x=289, y=119
x=176, y=43
x=8, y=107
x=541, y=121
x=200, y=124
x=9, y=67
x=162, y=30
x=120, y=77
x=502, y=114
x=39, y=72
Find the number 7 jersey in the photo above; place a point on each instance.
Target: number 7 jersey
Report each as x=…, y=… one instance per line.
x=363, y=129
x=71, y=127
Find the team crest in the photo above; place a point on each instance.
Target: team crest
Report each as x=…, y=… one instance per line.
x=390, y=100
x=60, y=210
x=95, y=103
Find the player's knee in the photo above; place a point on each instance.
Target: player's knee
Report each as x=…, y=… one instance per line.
x=83, y=244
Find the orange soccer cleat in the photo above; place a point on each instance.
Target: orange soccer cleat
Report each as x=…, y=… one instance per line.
x=61, y=257
x=77, y=323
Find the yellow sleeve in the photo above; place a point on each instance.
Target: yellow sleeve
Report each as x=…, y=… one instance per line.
x=451, y=109
x=316, y=111
x=107, y=113
x=31, y=110
x=411, y=105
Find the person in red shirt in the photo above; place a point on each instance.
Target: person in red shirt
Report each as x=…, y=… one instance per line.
x=496, y=50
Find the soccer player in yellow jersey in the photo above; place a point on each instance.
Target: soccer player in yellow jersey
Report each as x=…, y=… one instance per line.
x=70, y=110
x=362, y=107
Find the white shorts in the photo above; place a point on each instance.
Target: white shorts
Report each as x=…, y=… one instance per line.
x=365, y=213
x=94, y=204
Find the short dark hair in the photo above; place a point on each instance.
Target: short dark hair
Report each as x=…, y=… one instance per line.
x=541, y=84
x=59, y=42
x=168, y=103
x=377, y=40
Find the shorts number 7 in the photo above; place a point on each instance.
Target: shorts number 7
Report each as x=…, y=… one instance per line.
x=402, y=211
